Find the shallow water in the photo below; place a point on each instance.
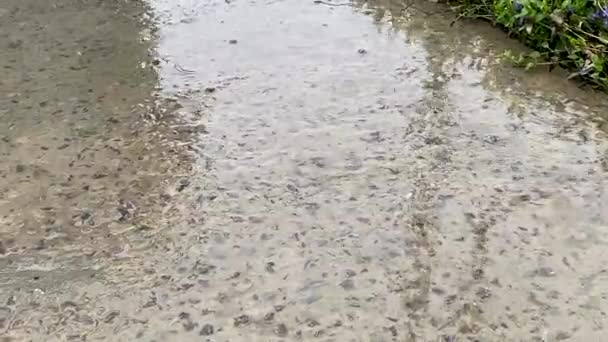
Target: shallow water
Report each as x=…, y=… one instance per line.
x=291, y=170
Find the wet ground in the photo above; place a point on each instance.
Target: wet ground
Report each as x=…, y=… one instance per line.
x=292, y=170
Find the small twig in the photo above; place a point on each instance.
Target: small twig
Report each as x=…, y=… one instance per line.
x=331, y=4
x=182, y=69
x=460, y=16
x=406, y=7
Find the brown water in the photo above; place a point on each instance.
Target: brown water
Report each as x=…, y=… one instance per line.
x=290, y=171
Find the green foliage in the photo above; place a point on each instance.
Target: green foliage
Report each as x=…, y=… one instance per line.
x=569, y=33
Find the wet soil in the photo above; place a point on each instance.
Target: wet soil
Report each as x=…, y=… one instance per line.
x=292, y=170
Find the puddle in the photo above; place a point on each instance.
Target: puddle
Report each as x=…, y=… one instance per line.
x=292, y=170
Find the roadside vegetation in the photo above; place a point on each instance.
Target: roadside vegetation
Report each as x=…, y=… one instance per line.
x=570, y=33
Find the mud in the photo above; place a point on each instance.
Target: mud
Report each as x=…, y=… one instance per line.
x=292, y=170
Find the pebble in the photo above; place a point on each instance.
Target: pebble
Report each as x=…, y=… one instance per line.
x=544, y=272
x=110, y=316
x=281, y=330
x=490, y=139
x=241, y=320
x=183, y=183
x=269, y=317
x=347, y=284
x=207, y=330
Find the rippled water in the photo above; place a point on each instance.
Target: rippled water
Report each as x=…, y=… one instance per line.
x=291, y=170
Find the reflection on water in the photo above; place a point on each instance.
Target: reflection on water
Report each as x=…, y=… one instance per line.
x=353, y=173
x=526, y=185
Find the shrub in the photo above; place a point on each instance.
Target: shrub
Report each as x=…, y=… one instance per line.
x=569, y=33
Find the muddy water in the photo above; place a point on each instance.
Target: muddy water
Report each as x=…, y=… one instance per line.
x=87, y=171
x=291, y=170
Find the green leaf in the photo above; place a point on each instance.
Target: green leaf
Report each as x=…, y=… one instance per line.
x=539, y=17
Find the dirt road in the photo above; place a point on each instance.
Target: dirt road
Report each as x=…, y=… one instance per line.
x=292, y=170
